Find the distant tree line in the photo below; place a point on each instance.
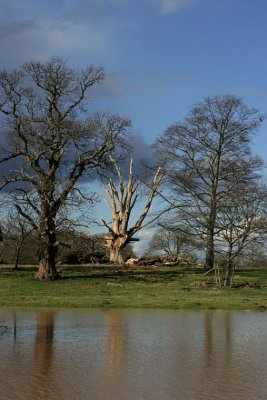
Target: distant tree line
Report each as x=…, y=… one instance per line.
x=20, y=247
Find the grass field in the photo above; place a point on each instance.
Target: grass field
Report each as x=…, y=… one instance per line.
x=138, y=287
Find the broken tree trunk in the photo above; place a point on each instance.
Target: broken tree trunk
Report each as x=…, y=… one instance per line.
x=121, y=203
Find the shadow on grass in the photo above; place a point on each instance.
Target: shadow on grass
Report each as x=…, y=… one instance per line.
x=122, y=274
x=114, y=273
x=11, y=274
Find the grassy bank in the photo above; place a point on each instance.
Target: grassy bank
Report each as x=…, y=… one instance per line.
x=139, y=287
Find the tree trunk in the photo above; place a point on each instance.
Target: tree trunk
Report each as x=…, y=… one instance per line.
x=46, y=270
x=210, y=249
x=228, y=278
x=116, y=247
x=116, y=255
x=16, y=266
x=229, y=268
x=211, y=221
x=47, y=261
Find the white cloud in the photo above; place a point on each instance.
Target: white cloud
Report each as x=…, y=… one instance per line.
x=172, y=6
x=22, y=41
x=144, y=237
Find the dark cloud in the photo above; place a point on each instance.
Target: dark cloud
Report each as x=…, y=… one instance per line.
x=144, y=161
x=144, y=158
x=42, y=30
x=142, y=154
x=15, y=28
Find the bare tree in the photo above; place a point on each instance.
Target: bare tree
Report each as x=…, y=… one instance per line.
x=16, y=230
x=206, y=157
x=42, y=106
x=172, y=241
x=243, y=224
x=122, y=200
x=82, y=247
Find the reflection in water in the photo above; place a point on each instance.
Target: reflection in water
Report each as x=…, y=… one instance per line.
x=225, y=345
x=44, y=342
x=228, y=338
x=218, y=353
x=14, y=325
x=112, y=376
x=115, y=343
x=43, y=378
x=208, y=338
x=127, y=355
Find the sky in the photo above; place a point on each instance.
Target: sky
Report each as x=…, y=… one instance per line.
x=161, y=56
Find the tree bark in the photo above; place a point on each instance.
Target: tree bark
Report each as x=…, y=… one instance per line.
x=116, y=255
x=46, y=270
x=228, y=278
x=116, y=247
x=16, y=266
x=47, y=259
x=210, y=249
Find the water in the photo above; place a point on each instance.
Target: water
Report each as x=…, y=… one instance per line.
x=133, y=355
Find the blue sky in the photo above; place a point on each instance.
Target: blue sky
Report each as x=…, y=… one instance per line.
x=161, y=56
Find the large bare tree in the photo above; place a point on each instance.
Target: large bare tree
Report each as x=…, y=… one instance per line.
x=47, y=130
x=206, y=157
x=121, y=201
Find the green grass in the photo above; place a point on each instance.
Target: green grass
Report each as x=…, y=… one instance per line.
x=138, y=287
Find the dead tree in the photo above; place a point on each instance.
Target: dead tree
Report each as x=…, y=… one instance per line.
x=122, y=201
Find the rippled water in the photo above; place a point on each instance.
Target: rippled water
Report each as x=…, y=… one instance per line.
x=133, y=355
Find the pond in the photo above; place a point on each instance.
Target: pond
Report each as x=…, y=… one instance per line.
x=133, y=355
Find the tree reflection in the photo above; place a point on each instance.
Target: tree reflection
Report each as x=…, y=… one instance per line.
x=218, y=352
x=43, y=353
x=44, y=340
x=115, y=343
x=218, y=339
